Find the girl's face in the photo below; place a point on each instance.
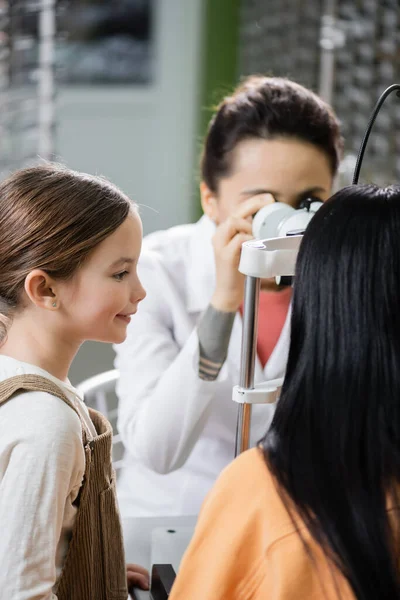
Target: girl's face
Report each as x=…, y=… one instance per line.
x=97, y=303
x=289, y=169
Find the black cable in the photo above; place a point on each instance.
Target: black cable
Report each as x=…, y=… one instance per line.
x=375, y=112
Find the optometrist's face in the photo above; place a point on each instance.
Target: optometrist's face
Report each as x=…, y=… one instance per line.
x=289, y=169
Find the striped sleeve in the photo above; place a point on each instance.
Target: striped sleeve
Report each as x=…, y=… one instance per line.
x=214, y=332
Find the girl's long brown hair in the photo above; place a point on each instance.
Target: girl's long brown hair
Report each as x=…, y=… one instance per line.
x=51, y=218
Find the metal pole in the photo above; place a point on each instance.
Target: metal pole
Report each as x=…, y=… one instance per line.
x=328, y=43
x=47, y=28
x=247, y=359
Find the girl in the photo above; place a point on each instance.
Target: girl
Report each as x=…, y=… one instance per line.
x=69, y=245
x=313, y=513
x=272, y=137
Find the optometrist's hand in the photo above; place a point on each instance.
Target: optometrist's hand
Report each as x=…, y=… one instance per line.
x=137, y=576
x=227, y=244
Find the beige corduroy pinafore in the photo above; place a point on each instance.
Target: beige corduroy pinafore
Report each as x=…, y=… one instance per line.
x=94, y=568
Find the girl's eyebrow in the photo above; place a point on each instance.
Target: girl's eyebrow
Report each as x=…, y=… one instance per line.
x=122, y=260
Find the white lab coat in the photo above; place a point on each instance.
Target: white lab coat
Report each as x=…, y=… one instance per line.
x=178, y=430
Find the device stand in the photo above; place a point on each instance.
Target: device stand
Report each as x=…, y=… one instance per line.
x=259, y=259
x=247, y=359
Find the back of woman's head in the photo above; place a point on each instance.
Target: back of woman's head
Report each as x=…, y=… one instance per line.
x=268, y=108
x=334, y=444
x=51, y=218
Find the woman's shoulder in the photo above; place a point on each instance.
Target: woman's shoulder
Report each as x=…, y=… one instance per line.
x=248, y=468
x=169, y=245
x=159, y=241
x=254, y=493
x=165, y=260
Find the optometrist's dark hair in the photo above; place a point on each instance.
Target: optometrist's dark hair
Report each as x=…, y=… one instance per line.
x=268, y=108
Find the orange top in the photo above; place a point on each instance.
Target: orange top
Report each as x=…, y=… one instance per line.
x=272, y=311
x=245, y=546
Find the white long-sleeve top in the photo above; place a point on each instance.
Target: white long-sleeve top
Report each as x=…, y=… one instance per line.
x=42, y=464
x=178, y=429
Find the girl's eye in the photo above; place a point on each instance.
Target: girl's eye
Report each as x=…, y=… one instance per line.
x=120, y=276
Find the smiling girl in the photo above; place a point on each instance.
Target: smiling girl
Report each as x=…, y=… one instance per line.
x=69, y=245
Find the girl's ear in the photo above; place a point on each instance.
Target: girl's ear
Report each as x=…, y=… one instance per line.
x=40, y=289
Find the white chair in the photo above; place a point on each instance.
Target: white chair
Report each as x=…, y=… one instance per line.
x=99, y=393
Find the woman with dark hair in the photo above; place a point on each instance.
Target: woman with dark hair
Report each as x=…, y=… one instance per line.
x=313, y=512
x=271, y=139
